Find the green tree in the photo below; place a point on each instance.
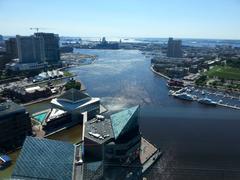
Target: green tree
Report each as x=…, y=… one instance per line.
x=73, y=84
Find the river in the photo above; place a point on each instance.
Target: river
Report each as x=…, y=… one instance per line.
x=198, y=141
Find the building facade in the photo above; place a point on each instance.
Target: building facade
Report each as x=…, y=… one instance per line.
x=174, y=48
x=51, y=47
x=11, y=48
x=30, y=49
x=15, y=125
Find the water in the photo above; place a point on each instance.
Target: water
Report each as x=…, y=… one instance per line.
x=185, y=41
x=199, y=141
x=40, y=117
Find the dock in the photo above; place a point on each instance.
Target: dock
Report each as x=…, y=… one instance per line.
x=149, y=154
x=220, y=98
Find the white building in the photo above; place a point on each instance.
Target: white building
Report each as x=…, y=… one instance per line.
x=77, y=102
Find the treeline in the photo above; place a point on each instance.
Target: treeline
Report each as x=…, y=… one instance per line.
x=233, y=62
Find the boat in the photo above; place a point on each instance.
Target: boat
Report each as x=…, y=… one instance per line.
x=188, y=90
x=170, y=92
x=184, y=96
x=5, y=161
x=207, y=101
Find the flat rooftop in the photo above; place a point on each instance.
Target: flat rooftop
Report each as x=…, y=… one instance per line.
x=99, y=131
x=7, y=108
x=146, y=151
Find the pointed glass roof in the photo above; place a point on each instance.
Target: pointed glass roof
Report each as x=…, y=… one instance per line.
x=121, y=120
x=73, y=95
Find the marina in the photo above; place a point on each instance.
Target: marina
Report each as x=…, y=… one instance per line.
x=207, y=97
x=120, y=78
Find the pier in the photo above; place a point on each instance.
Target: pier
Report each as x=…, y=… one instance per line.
x=220, y=98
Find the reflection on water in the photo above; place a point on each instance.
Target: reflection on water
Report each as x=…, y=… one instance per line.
x=193, y=136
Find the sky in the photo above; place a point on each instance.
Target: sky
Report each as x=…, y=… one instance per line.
x=213, y=19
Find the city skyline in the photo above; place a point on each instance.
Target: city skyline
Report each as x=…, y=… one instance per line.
x=186, y=19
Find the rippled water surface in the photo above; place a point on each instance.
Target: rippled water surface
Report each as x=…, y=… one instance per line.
x=198, y=141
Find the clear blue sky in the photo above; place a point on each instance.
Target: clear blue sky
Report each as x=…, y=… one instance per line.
x=129, y=18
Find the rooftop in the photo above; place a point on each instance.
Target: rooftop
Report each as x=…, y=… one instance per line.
x=122, y=120
x=73, y=96
x=48, y=115
x=10, y=107
x=45, y=159
x=99, y=131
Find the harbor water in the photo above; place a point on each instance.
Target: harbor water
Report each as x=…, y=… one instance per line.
x=198, y=141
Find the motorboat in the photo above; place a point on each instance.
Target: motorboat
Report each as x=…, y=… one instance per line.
x=184, y=96
x=207, y=101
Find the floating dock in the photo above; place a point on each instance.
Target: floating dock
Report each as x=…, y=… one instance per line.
x=221, y=99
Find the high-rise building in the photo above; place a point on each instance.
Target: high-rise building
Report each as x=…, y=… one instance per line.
x=1, y=38
x=11, y=48
x=15, y=125
x=51, y=47
x=30, y=49
x=174, y=48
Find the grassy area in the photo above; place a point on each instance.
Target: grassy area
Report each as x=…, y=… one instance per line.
x=224, y=72
x=67, y=74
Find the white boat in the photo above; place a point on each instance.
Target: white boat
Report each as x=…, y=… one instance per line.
x=170, y=92
x=207, y=101
x=184, y=96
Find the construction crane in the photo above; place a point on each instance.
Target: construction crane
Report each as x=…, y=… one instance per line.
x=36, y=28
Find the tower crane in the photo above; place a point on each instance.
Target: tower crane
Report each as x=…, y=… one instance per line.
x=36, y=28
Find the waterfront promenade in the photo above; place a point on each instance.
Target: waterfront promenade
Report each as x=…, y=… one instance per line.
x=160, y=74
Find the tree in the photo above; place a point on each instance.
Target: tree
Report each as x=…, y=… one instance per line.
x=201, y=80
x=73, y=84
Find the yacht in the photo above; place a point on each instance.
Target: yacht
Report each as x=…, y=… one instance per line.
x=184, y=96
x=170, y=92
x=207, y=101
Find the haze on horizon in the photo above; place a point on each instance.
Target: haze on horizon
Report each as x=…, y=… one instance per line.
x=213, y=19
